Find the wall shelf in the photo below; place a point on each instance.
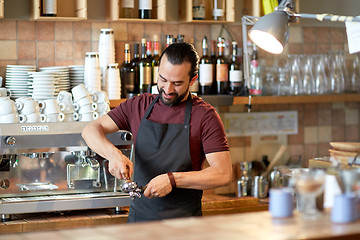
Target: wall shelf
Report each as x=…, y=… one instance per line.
x=67, y=10
x=2, y=9
x=158, y=11
x=229, y=100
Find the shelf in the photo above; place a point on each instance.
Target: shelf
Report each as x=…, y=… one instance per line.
x=298, y=99
x=158, y=11
x=67, y=10
x=226, y=100
x=1, y=9
x=185, y=12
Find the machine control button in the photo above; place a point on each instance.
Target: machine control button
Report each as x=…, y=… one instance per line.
x=4, y=183
x=10, y=141
x=126, y=136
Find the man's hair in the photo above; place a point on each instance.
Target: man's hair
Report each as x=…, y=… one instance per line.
x=178, y=53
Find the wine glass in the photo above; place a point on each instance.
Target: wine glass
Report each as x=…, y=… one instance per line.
x=309, y=183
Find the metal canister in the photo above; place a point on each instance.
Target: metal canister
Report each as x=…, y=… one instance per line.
x=276, y=179
x=260, y=187
x=243, y=187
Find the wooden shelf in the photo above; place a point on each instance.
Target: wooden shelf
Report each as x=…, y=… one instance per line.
x=67, y=10
x=1, y=9
x=185, y=12
x=158, y=11
x=229, y=100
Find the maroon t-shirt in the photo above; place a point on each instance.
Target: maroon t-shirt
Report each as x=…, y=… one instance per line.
x=207, y=133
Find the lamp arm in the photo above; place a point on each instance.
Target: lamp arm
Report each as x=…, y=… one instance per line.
x=327, y=17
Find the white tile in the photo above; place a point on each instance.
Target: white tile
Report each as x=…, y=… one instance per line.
x=324, y=134
x=351, y=116
x=311, y=135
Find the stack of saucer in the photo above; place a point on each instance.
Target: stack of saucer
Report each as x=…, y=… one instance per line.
x=17, y=79
x=42, y=85
x=76, y=73
x=62, y=77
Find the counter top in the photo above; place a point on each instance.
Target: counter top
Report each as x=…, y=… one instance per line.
x=255, y=225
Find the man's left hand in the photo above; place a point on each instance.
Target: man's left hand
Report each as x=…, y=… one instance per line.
x=159, y=186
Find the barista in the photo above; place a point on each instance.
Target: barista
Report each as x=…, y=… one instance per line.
x=174, y=133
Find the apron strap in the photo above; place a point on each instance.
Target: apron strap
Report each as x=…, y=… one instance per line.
x=148, y=110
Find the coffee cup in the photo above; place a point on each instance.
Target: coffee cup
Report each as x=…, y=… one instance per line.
x=27, y=106
x=35, y=118
x=103, y=107
x=79, y=92
x=67, y=107
x=100, y=97
x=87, y=108
x=85, y=117
x=10, y=118
x=64, y=96
x=84, y=101
x=4, y=92
x=54, y=117
x=51, y=106
x=281, y=202
x=8, y=106
x=344, y=209
x=71, y=117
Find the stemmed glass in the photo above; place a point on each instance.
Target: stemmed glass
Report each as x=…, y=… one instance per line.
x=309, y=183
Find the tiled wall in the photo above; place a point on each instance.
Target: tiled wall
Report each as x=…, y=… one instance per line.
x=65, y=43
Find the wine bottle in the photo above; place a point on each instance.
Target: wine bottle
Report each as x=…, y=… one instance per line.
x=155, y=64
x=169, y=40
x=255, y=78
x=180, y=38
x=127, y=75
x=127, y=8
x=145, y=7
x=198, y=9
x=144, y=69
x=206, y=70
x=149, y=50
x=235, y=72
x=213, y=62
x=135, y=64
x=222, y=69
x=219, y=10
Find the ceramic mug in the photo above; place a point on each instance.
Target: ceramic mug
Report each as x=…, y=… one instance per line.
x=64, y=96
x=27, y=106
x=8, y=106
x=85, y=100
x=4, y=92
x=87, y=108
x=281, y=202
x=35, y=118
x=344, y=209
x=79, y=92
x=9, y=118
x=85, y=117
x=51, y=106
x=54, y=117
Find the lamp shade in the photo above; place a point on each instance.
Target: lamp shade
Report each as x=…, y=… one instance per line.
x=271, y=32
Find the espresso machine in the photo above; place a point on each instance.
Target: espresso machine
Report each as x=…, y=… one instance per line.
x=47, y=167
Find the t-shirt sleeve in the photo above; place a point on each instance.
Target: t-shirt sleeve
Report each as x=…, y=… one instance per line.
x=213, y=133
x=120, y=115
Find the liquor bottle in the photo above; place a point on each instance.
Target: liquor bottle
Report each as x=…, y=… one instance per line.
x=213, y=62
x=155, y=64
x=149, y=50
x=144, y=69
x=135, y=64
x=145, y=7
x=49, y=8
x=219, y=10
x=255, y=78
x=235, y=72
x=180, y=38
x=127, y=9
x=127, y=75
x=169, y=40
x=198, y=9
x=206, y=70
x=222, y=69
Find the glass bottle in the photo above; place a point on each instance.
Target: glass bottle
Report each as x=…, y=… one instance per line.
x=206, y=70
x=222, y=69
x=127, y=75
x=321, y=82
x=135, y=64
x=219, y=10
x=127, y=9
x=235, y=72
x=295, y=77
x=308, y=78
x=255, y=77
x=355, y=76
x=145, y=7
x=169, y=40
x=337, y=80
x=144, y=69
x=149, y=50
x=180, y=38
x=198, y=9
x=213, y=62
x=155, y=64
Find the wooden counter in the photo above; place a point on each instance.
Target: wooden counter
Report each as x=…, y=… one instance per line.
x=256, y=225
x=212, y=205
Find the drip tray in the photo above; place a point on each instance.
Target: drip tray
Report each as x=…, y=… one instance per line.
x=32, y=204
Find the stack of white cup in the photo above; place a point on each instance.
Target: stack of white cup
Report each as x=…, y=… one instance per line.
x=92, y=71
x=4, y=92
x=106, y=51
x=84, y=103
x=113, y=82
x=52, y=110
x=29, y=109
x=66, y=105
x=102, y=100
x=8, y=111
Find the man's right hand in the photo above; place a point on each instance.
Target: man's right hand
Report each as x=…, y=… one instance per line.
x=121, y=167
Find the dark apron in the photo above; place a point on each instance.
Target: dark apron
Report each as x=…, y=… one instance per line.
x=162, y=148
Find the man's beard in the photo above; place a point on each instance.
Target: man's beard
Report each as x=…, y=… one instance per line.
x=177, y=99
